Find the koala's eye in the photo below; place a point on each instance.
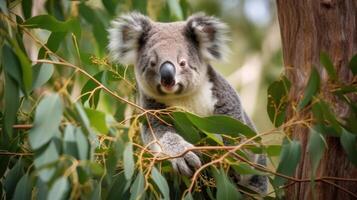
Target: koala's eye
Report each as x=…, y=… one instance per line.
x=182, y=63
x=152, y=63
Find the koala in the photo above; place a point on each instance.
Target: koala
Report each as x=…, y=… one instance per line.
x=172, y=68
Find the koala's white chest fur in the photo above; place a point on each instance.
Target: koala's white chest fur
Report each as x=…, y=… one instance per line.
x=201, y=103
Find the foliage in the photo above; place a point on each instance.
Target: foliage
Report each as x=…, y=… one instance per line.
x=66, y=131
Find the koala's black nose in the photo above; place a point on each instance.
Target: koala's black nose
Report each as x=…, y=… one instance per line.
x=167, y=73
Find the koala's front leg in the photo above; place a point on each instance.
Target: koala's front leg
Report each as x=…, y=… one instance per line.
x=170, y=143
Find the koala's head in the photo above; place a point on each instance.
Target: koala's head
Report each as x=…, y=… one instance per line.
x=170, y=58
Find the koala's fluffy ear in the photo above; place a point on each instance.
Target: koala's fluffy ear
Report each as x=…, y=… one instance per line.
x=210, y=34
x=126, y=35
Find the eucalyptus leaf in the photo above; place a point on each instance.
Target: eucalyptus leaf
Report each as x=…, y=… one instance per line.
x=69, y=140
x=43, y=159
x=50, y=23
x=225, y=188
x=53, y=43
x=11, y=64
x=59, y=189
x=41, y=74
x=324, y=115
x=26, y=8
x=99, y=30
x=97, y=120
x=12, y=178
x=23, y=188
x=12, y=104
x=311, y=89
x=82, y=144
x=316, y=148
x=348, y=141
x=289, y=159
x=185, y=127
x=119, y=188
x=188, y=196
x=161, y=182
x=244, y=168
x=128, y=160
x=353, y=64
x=3, y=7
x=97, y=191
x=175, y=9
x=47, y=119
x=137, y=189
x=91, y=92
x=327, y=63
x=221, y=124
x=278, y=100
x=25, y=66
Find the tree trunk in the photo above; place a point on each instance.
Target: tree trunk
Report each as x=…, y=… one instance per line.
x=309, y=27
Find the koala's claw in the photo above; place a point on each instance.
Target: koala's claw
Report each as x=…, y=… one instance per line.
x=187, y=164
x=173, y=145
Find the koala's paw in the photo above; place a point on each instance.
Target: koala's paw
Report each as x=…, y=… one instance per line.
x=173, y=145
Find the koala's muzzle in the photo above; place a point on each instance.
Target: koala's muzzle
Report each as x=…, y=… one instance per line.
x=167, y=74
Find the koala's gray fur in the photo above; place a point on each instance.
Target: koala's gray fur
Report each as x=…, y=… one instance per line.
x=189, y=46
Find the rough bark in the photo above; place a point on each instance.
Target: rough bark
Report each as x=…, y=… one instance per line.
x=309, y=27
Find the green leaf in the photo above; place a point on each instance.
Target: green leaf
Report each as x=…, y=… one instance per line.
x=69, y=140
x=348, y=141
x=185, y=7
x=277, y=102
x=96, y=169
x=55, y=8
x=43, y=158
x=13, y=177
x=175, y=9
x=11, y=64
x=12, y=104
x=25, y=66
x=323, y=114
x=327, y=63
x=244, y=168
x=345, y=90
x=311, y=89
x=42, y=190
x=59, y=189
x=110, y=5
x=273, y=150
x=185, y=127
x=353, y=64
x=3, y=7
x=26, y=8
x=316, y=148
x=82, y=144
x=137, y=189
x=128, y=160
x=53, y=43
x=188, y=196
x=161, y=182
x=47, y=119
x=119, y=188
x=99, y=30
x=97, y=120
x=225, y=188
x=140, y=6
x=41, y=74
x=289, y=159
x=96, y=192
x=221, y=124
x=23, y=188
x=50, y=23
x=90, y=90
